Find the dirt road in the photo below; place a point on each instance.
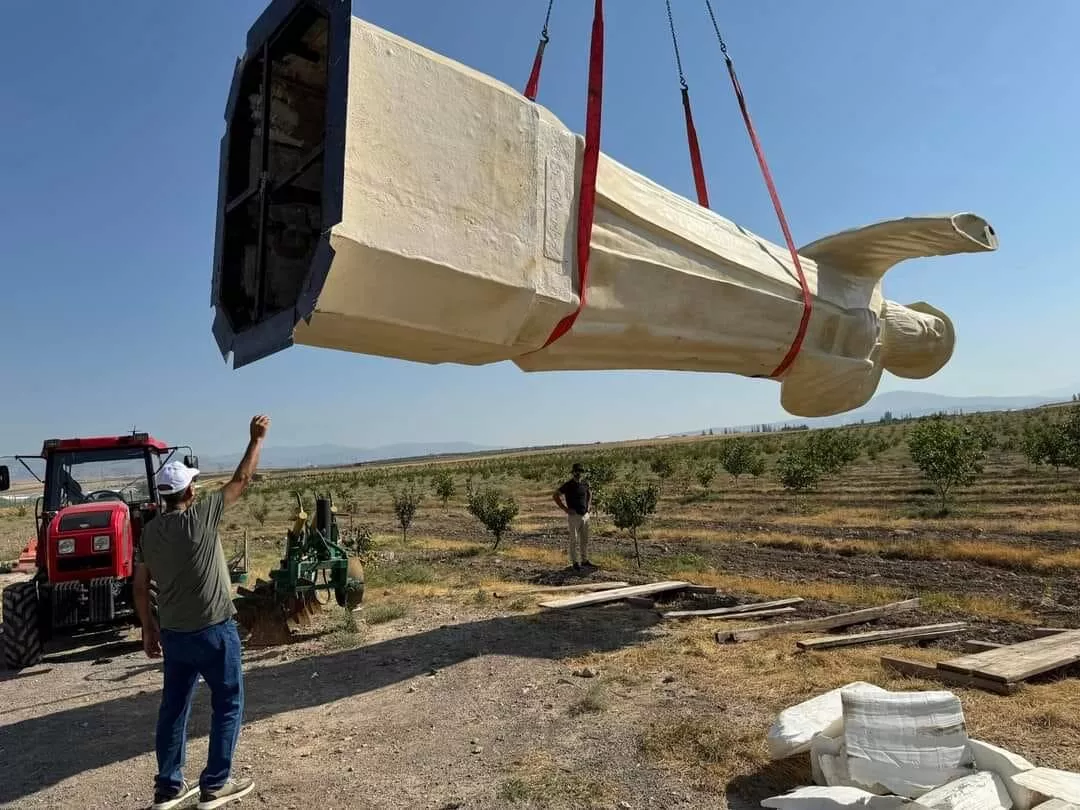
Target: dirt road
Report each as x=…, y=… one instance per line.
x=457, y=708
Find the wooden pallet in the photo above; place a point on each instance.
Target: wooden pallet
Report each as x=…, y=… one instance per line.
x=1018, y=662
x=1003, y=668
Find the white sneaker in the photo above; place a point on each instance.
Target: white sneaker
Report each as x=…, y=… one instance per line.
x=229, y=792
x=166, y=801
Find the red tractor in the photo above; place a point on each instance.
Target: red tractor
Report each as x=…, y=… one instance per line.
x=97, y=495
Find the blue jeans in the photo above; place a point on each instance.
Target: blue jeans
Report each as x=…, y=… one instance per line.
x=214, y=653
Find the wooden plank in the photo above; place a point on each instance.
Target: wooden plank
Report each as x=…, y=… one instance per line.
x=826, y=623
x=640, y=602
x=1018, y=662
x=753, y=614
x=582, y=587
x=751, y=606
x=926, y=631
x=706, y=590
x=975, y=646
x=917, y=669
x=1042, y=632
x=615, y=594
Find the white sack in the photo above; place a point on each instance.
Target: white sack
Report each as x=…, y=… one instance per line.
x=1005, y=764
x=980, y=791
x=796, y=726
x=834, y=798
x=1051, y=782
x=1056, y=804
x=828, y=761
x=907, y=742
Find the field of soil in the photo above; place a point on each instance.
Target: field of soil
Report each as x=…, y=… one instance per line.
x=453, y=689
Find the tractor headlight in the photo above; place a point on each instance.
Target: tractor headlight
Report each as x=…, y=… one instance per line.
x=102, y=542
x=66, y=546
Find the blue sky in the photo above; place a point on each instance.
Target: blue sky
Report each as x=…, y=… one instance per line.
x=112, y=114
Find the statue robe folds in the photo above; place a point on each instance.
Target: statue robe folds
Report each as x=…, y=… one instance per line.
x=407, y=206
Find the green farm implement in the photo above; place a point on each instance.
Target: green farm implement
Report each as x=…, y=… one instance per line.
x=314, y=568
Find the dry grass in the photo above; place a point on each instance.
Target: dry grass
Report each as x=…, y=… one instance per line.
x=1042, y=721
x=1012, y=556
x=692, y=742
x=596, y=699
x=537, y=778
x=845, y=593
x=382, y=612
x=858, y=595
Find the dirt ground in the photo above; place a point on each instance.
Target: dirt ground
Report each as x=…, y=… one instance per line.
x=454, y=690
x=474, y=698
x=453, y=707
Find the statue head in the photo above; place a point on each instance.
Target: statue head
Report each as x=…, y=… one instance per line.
x=917, y=340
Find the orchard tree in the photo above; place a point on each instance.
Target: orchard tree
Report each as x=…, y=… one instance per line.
x=663, y=467
x=832, y=450
x=796, y=470
x=406, y=501
x=740, y=457
x=705, y=473
x=494, y=509
x=948, y=453
x=630, y=504
x=1070, y=438
x=599, y=472
x=875, y=445
x=1044, y=444
x=444, y=486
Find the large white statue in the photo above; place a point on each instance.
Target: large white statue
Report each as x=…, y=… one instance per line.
x=438, y=224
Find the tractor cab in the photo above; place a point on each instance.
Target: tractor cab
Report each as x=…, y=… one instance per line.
x=96, y=496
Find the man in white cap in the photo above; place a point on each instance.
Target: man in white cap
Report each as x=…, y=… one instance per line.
x=194, y=629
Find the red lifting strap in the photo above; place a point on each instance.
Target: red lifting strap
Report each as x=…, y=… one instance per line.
x=808, y=303
x=587, y=196
x=695, y=152
x=691, y=130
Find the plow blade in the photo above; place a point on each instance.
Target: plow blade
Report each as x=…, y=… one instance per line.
x=269, y=621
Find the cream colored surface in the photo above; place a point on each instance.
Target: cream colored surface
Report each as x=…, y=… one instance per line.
x=1006, y=765
x=457, y=244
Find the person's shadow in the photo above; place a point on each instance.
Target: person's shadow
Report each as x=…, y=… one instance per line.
x=100, y=734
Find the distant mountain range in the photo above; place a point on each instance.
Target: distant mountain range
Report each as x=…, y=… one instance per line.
x=332, y=455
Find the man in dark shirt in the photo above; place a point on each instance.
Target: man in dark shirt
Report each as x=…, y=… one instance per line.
x=194, y=627
x=576, y=505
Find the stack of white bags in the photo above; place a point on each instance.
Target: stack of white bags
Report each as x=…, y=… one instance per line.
x=879, y=750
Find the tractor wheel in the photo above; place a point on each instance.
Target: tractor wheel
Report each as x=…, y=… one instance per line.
x=353, y=593
x=22, y=625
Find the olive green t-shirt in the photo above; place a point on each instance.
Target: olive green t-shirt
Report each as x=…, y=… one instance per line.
x=187, y=562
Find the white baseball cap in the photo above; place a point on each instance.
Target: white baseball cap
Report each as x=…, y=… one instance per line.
x=174, y=478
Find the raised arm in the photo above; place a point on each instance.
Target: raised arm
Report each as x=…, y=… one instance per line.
x=245, y=470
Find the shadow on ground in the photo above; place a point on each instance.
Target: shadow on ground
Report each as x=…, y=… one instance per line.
x=95, y=646
x=771, y=779
x=116, y=730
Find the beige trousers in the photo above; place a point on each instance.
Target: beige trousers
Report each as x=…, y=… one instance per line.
x=579, y=537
